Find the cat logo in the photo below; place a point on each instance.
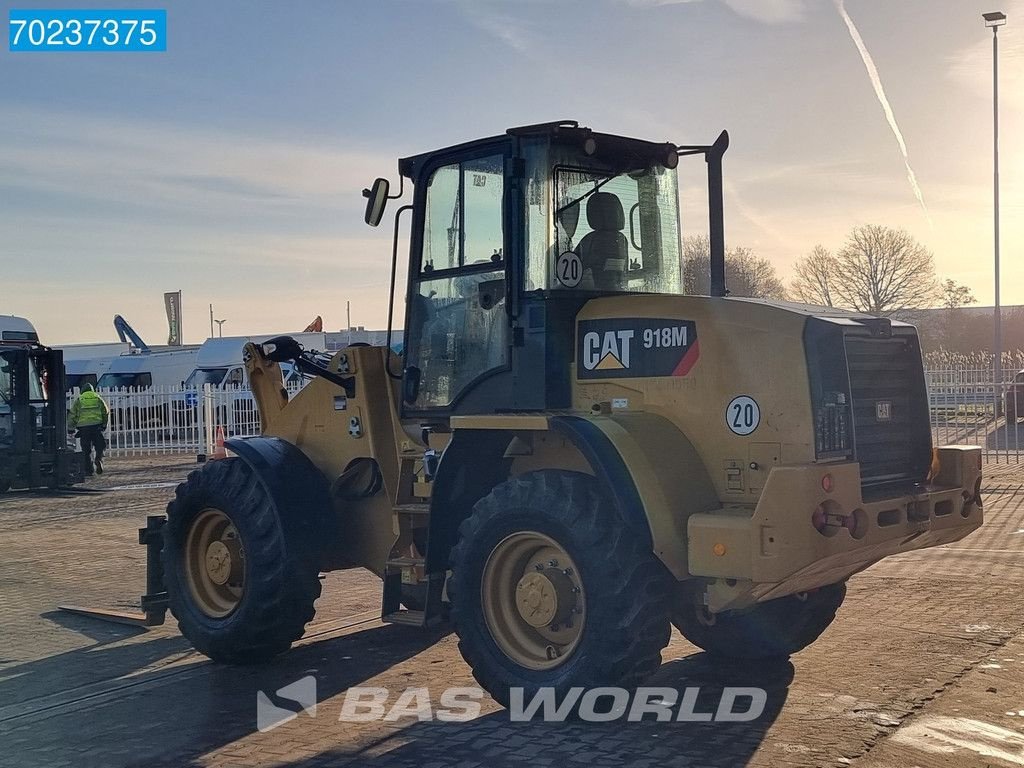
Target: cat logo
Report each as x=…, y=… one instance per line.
x=608, y=351
x=635, y=347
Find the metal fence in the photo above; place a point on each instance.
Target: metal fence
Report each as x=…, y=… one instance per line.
x=176, y=420
x=967, y=407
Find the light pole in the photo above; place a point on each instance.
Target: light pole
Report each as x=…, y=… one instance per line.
x=995, y=20
x=220, y=327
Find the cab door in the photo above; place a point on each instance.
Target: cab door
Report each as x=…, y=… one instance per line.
x=458, y=324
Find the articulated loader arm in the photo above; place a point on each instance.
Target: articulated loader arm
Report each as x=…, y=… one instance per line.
x=282, y=349
x=262, y=363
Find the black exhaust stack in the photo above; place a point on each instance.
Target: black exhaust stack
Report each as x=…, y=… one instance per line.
x=716, y=216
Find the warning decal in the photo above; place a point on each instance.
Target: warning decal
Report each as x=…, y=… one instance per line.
x=635, y=347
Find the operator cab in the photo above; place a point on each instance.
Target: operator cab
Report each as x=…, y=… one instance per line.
x=511, y=236
x=33, y=442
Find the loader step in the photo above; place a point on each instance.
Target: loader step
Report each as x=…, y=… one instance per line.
x=405, y=562
x=412, y=509
x=410, y=618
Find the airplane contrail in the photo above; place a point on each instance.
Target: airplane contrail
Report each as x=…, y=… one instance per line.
x=876, y=82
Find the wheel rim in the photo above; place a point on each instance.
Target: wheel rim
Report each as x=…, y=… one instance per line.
x=215, y=563
x=534, y=603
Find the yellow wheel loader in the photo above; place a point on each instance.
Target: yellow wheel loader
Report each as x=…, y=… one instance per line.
x=569, y=454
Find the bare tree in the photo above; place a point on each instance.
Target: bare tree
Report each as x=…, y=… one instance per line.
x=883, y=271
x=697, y=265
x=815, y=274
x=746, y=274
x=949, y=331
x=956, y=295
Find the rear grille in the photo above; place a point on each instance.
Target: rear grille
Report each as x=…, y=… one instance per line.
x=891, y=434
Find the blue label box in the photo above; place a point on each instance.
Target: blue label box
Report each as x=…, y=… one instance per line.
x=87, y=30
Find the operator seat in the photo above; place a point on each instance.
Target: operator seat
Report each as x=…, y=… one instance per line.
x=604, y=250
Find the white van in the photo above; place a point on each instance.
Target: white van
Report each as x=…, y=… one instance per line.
x=148, y=376
x=141, y=370
x=86, y=363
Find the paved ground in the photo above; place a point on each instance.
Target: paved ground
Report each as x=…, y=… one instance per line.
x=923, y=667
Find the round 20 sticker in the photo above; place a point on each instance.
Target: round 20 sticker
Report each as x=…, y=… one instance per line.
x=569, y=269
x=742, y=415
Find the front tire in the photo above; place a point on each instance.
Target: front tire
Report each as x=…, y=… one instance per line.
x=550, y=588
x=241, y=587
x=773, y=629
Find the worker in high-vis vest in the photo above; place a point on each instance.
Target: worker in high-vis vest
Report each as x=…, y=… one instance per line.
x=89, y=416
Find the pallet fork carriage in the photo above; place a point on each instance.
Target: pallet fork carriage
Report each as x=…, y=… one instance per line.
x=571, y=453
x=154, y=602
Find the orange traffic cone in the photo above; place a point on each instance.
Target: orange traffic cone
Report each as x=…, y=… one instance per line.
x=219, y=451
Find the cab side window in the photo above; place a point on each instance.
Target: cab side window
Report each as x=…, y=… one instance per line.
x=458, y=325
x=463, y=215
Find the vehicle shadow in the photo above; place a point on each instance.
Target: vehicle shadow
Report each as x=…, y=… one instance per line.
x=494, y=740
x=105, y=659
x=176, y=714
x=1006, y=437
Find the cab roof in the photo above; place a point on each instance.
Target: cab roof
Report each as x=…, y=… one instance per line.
x=562, y=132
x=17, y=330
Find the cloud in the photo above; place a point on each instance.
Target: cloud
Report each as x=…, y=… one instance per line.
x=769, y=11
x=517, y=34
x=765, y=11
x=971, y=67
x=154, y=206
x=52, y=148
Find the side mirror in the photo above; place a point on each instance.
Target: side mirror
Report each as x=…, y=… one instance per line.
x=376, y=200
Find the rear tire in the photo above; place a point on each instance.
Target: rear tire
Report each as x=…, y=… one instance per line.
x=609, y=619
x=223, y=526
x=773, y=629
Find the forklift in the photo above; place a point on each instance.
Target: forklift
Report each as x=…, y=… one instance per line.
x=34, y=449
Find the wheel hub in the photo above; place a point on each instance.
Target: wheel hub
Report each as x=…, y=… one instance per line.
x=544, y=597
x=214, y=563
x=223, y=561
x=533, y=600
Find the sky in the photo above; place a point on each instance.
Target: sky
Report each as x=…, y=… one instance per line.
x=231, y=166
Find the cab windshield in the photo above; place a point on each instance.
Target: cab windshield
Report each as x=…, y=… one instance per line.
x=203, y=376
x=122, y=380
x=80, y=380
x=617, y=232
